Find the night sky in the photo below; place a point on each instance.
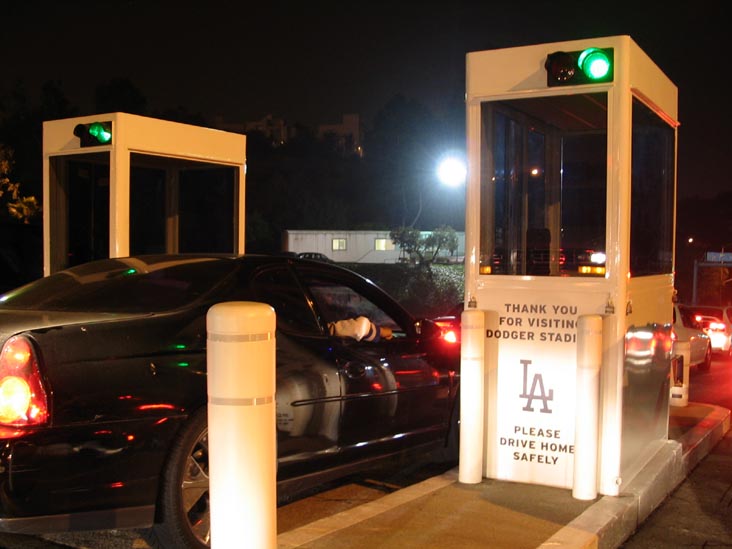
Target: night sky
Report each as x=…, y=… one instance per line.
x=311, y=62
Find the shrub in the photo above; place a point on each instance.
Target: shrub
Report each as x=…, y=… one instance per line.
x=423, y=292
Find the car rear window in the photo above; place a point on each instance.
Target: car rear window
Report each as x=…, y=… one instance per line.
x=127, y=286
x=709, y=311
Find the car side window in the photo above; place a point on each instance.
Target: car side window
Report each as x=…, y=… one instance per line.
x=338, y=302
x=279, y=288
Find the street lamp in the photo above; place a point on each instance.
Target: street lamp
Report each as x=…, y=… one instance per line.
x=451, y=171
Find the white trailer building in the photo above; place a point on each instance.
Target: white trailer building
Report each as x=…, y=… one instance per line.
x=357, y=246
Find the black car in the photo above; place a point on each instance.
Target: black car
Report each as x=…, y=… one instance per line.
x=315, y=256
x=103, y=390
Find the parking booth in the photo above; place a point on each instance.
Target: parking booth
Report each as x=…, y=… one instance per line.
x=570, y=227
x=119, y=184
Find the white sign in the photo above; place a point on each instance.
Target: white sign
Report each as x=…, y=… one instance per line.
x=719, y=257
x=536, y=380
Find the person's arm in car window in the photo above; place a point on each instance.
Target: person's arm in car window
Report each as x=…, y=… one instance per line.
x=360, y=329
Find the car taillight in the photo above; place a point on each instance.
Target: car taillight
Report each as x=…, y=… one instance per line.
x=450, y=336
x=639, y=344
x=448, y=332
x=717, y=326
x=23, y=400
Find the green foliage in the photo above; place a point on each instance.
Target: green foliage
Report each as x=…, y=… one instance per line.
x=711, y=285
x=12, y=202
x=424, y=248
x=424, y=294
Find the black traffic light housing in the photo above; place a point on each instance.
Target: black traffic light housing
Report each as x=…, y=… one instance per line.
x=94, y=134
x=588, y=66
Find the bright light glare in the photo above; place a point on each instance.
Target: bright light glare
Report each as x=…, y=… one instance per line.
x=452, y=172
x=597, y=257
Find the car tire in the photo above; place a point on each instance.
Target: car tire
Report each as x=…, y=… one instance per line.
x=183, y=514
x=707, y=363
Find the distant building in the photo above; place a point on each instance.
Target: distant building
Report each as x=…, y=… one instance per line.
x=347, y=134
x=277, y=130
x=357, y=246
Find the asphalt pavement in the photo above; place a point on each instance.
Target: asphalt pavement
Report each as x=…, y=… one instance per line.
x=441, y=512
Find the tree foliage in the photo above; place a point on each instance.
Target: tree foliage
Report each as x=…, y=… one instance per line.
x=425, y=247
x=12, y=202
x=119, y=95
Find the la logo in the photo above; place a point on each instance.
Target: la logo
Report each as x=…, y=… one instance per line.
x=537, y=391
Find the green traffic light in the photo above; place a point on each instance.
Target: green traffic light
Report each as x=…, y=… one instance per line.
x=100, y=133
x=595, y=63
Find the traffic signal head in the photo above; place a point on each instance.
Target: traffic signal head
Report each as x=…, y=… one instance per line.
x=588, y=66
x=93, y=134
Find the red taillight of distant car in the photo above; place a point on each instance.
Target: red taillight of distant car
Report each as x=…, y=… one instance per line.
x=23, y=400
x=449, y=333
x=717, y=326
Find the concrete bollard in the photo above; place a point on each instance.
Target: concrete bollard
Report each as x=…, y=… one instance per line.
x=589, y=361
x=472, y=385
x=242, y=425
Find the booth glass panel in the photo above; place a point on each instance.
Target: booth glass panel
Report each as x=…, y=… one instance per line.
x=652, y=193
x=543, y=186
x=181, y=206
x=147, y=209
x=79, y=209
x=207, y=210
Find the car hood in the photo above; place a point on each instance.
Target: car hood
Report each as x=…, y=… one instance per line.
x=16, y=321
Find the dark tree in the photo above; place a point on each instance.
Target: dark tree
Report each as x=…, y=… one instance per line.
x=119, y=95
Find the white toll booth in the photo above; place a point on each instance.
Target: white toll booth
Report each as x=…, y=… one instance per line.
x=570, y=227
x=119, y=184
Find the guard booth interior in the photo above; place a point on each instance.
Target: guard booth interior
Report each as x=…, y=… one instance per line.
x=570, y=213
x=139, y=185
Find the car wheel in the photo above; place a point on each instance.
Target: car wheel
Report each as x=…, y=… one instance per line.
x=704, y=366
x=183, y=516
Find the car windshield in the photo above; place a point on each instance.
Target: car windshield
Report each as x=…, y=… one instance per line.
x=125, y=285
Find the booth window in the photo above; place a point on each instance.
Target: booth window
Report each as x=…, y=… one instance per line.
x=339, y=244
x=652, y=193
x=543, y=186
x=181, y=206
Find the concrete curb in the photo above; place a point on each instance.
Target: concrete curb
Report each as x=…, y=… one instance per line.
x=611, y=520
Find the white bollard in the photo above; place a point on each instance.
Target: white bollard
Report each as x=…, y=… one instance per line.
x=472, y=385
x=242, y=425
x=589, y=361
x=679, y=383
